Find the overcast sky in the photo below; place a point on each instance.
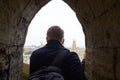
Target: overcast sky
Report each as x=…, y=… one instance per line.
x=55, y=13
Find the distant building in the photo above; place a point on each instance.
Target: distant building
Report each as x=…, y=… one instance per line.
x=79, y=51
x=26, y=58
x=74, y=47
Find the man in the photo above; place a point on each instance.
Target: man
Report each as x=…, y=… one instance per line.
x=71, y=66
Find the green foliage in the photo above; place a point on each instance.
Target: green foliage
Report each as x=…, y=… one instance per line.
x=28, y=52
x=25, y=71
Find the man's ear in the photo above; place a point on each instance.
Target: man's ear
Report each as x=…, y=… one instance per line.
x=47, y=39
x=62, y=41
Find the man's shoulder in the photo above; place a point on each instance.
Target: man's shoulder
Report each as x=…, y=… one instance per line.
x=70, y=53
x=38, y=51
x=73, y=55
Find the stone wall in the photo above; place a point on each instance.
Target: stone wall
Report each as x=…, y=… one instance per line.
x=101, y=24
x=15, y=16
x=100, y=20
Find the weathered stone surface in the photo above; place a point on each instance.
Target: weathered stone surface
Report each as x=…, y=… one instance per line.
x=100, y=20
x=118, y=64
x=15, y=16
x=97, y=64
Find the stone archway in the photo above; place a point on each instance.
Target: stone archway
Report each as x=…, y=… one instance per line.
x=15, y=16
x=100, y=21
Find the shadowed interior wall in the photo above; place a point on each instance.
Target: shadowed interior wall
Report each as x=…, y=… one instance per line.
x=15, y=16
x=100, y=20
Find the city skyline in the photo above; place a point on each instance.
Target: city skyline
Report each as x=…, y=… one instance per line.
x=28, y=51
x=42, y=44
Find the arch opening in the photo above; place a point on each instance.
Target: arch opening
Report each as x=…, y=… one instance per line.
x=56, y=12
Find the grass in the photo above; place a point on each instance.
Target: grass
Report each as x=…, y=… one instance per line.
x=25, y=71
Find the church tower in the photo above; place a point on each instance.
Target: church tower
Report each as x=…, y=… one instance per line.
x=74, y=48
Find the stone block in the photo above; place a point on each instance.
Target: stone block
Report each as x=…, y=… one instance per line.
x=118, y=65
x=99, y=64
x=100, y=7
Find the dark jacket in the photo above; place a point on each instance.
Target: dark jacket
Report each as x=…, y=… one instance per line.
x=71, y=67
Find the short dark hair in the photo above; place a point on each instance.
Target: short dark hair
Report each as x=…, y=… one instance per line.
x=55, y=33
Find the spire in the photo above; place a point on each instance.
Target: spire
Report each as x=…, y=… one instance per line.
x=74, y=48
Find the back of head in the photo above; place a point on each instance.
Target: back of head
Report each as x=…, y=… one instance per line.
x=55, y=33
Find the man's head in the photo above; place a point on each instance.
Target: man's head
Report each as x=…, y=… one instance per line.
x=55, y=33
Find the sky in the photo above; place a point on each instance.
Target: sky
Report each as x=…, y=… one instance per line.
x=56, y=12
